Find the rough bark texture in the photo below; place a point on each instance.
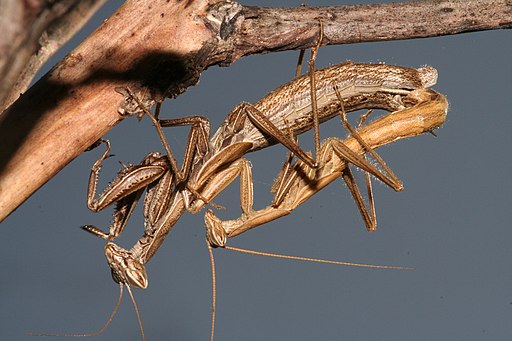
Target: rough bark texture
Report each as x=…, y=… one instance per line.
x=158, y=48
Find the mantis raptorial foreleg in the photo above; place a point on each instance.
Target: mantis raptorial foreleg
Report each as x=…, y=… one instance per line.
x=128, y=186
x=125, y=190
x=427, y=114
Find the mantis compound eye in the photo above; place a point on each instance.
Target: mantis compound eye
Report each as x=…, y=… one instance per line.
x=125, y=268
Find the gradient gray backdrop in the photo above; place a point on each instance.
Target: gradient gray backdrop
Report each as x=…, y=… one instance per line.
x=452, y=223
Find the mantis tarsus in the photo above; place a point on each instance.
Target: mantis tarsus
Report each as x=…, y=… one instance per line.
x=210, y=166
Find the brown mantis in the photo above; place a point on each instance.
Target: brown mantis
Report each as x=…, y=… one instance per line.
x=210, y=167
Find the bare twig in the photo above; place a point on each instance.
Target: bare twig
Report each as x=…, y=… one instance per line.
x=270, y=29
x=76, y=103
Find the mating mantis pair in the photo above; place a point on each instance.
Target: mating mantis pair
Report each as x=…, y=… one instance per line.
x=210, y=165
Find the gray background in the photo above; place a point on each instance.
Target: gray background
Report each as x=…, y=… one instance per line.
x=452, y=223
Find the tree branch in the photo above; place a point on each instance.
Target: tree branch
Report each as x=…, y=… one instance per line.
x=158, y=48
x=270, y=29
x=32, y=32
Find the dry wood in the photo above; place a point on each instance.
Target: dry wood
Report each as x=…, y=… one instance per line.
x=76, y=103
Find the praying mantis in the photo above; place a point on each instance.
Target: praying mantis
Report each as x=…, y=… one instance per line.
x=210, y=165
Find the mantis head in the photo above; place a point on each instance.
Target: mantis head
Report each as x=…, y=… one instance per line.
x=125, y=268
